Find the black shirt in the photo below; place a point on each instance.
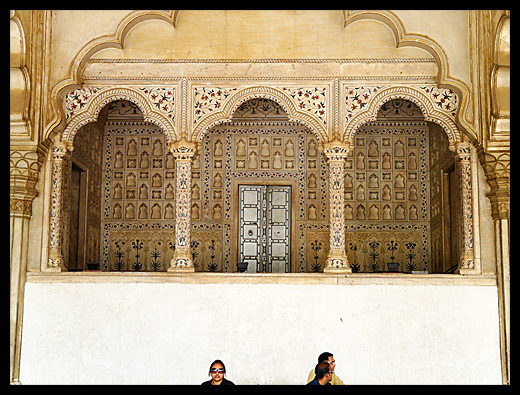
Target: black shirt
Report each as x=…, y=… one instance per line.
x=224, y=382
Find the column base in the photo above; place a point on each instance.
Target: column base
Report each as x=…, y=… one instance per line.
x=55, y=262
x=337, y=264
x=180, y=269
x=182, y=262
x=466, y=267
x=54, y=269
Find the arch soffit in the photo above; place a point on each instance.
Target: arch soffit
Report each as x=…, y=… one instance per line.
x=101, y=98
x=266, y=92
x=406, y=93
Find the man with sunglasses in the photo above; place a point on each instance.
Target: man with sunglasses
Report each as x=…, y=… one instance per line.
x=329, y=358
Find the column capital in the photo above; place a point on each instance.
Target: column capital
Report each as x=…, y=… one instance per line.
x=496, y=166
x=24, y=173
x=60, y=149
x=336, y=150
x=183, y=149
x=462, y=150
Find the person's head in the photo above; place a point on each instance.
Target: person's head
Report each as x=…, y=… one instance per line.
x=327, y=357
x=217, y=370
x=323, y=370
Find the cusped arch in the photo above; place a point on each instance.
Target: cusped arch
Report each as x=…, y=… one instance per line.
x=406, y=39
x=103, y=97
x=407, y=93
x=277, y=95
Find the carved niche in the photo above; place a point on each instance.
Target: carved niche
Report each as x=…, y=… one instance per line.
x=138, y=217
x=387, y=197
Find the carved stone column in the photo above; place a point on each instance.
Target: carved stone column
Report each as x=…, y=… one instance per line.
x=182, y=261
x=55, y=262
x=24, y=171
x=497, y=168
x=462, y=151
x=336, y=153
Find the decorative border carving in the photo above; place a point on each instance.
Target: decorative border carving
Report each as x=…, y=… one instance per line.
x=301, y=60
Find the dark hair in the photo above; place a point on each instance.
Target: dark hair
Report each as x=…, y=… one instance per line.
x=324, y=357
x=321, y=370
x=214, y=362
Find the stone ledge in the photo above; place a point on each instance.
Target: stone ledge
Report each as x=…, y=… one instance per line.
x=263, y=278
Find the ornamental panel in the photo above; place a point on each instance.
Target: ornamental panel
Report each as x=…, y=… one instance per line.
x=138, y=192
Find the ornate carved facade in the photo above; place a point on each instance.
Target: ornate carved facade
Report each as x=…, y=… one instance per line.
x=134, y=143
x=383, y=213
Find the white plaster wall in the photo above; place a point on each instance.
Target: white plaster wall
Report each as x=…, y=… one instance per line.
x=169, y=333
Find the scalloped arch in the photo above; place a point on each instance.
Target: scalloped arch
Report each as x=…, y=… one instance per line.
x=410, y=94
x=103, y=97
x=117, y=39
x=267, y=92
x=404, y=39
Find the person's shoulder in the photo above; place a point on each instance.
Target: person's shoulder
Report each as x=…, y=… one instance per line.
x=313, y=382
x=227, y=382
x=336, y=380
x=206, y=382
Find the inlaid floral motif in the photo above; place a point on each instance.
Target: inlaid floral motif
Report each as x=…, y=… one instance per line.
x=357, y=98
x=445, y=99
x=77, y=99
x=163, y=99
x=207, y=100
x=310, y=99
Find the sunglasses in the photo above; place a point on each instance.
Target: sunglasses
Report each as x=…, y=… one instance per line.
x=217, y=370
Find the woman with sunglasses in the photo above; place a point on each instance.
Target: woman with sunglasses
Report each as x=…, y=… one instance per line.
x=217, y=370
